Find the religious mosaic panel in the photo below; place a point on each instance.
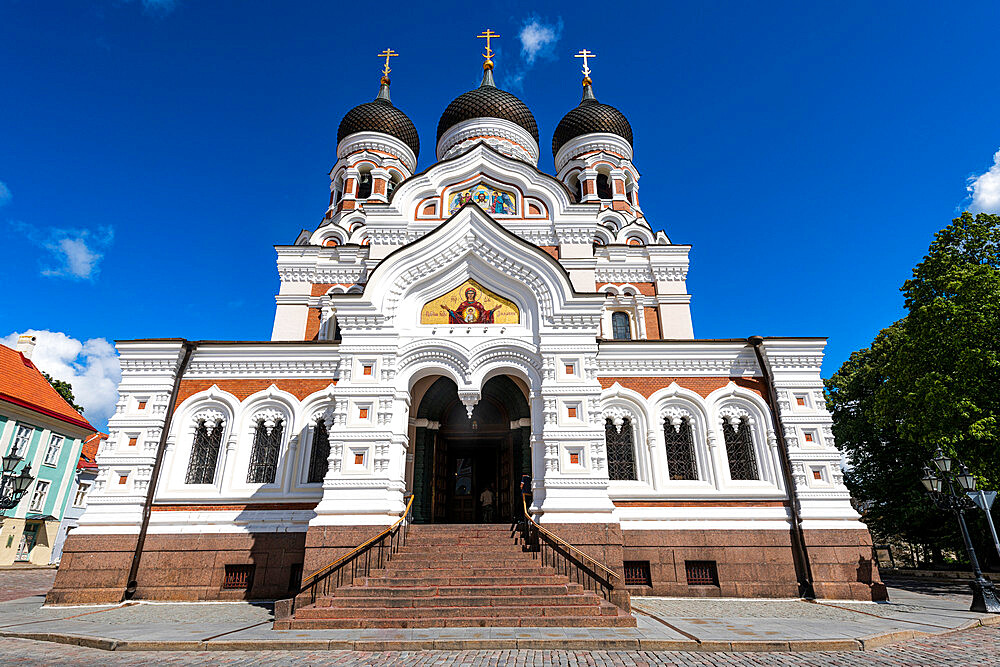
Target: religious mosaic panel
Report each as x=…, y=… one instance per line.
x=470, y=303
x=491, y=200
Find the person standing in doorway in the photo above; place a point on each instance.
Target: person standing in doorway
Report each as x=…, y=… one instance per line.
x=486, y=501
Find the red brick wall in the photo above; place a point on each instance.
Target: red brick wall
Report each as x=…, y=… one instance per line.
x=313, y=324
x=551, y=249
x=703, y=386
x=241, y=388
x=652, y=316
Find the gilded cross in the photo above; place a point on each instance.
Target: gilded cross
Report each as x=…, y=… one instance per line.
x=387, y=53
x=488, y=35
x=585, y=54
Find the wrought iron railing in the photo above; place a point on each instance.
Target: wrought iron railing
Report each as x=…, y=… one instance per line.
x=358, y=562
x=566, y=559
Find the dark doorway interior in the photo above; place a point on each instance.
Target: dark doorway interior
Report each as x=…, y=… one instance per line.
x=457, y=458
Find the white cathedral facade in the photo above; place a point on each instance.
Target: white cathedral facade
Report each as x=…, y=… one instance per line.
x=473, y=326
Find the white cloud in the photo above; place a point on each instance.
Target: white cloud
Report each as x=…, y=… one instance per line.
x=91, y=366
x=984, y=189
x=75, y=253
x=538, y=38
x=4, y=193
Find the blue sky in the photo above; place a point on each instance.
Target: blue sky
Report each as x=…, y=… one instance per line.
x=151, y=153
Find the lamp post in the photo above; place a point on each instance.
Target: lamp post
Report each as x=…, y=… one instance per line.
x=13, y=487
x=940, y=485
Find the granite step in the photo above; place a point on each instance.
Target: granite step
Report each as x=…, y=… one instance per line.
x=450, y=612
x=621, y=620
x=461, y=601
x=469, y=591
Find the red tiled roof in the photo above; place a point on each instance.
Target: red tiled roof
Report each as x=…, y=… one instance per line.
x=22, y=383
x=88, y=455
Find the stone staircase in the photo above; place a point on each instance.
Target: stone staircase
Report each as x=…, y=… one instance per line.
x=460, y=576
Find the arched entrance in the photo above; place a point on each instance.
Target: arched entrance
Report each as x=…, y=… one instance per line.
x=456, y=458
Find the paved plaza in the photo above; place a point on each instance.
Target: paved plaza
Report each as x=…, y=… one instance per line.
x=925, y=623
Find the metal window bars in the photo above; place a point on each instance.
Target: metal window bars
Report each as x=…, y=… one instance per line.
x=320, y=454
x=739, y=450
x=264, y=456
x=204, y=455
x=679, y=439
x=621, y=453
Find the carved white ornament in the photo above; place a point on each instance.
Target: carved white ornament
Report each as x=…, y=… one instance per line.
x=675, y=415
x=211, y=419
x=734, y=413
x=618, y=415
x=269, y=418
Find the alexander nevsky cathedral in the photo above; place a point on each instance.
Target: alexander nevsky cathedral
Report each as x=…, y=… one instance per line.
x=445, y=340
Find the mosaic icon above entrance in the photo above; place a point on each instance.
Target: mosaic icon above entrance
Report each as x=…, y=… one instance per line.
x=497, y=202
x=470, y=303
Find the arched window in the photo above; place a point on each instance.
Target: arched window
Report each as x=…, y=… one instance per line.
x=266, y=445
x=391, y=185
x=603, y=186
x=364, y=185
x=621, y=455
x=204, y=451
x=680, y=449
x=320, y=454
x=739, y=449
x=621, y=328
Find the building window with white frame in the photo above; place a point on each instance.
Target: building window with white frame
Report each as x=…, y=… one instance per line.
x=21, y=440
x=38, y=496
x=621, y=327
x=619, y=442
x=52, y=451
x=80, y=500
x=739, y=449
x=320, y=454
x=266, y=446
x=204, y=452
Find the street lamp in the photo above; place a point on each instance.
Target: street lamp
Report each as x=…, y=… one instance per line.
x=984, y=596
x=13, y=487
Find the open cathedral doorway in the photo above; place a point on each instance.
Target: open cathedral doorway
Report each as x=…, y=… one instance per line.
x=458, y=458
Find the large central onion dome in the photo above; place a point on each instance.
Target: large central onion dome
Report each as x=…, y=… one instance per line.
x=590, y=117
x=381, y=116
x=488, y=114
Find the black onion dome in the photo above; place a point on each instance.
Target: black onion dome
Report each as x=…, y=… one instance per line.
x=589, y=117
x=380, y=116
x=487, y=101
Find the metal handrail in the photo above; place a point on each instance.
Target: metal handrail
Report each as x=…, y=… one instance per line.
x=353, y=557
x=599, y=577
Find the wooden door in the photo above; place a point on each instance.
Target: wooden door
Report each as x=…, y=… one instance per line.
x=505, y=481
x=440, y=481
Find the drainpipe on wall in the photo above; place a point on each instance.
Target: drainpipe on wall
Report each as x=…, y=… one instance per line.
x=133, y=584
x=803, y=572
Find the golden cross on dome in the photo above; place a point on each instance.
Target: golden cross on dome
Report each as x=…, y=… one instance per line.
x=585, y=54
x=488, y=35
x=387, y=53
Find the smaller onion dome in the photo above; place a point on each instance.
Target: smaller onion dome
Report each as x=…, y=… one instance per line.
x=380, y=116
x=590, y=117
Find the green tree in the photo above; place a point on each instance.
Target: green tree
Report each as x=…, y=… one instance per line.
x=931, y=379
x=65, y=390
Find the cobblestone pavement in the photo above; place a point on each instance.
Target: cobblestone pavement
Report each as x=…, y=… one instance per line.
x=20, y=583
x=975, y=647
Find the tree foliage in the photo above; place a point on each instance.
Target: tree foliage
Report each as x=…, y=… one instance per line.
x=931, y=379
x=65, y=390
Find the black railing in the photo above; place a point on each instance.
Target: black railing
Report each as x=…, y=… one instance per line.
x=566, y=559
x=373, y=554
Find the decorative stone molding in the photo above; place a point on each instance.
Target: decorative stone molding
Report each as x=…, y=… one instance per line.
x=210, y=418
x=376, y=141
x=675, y=416
x=594, y=142
x=269, y=417
x=733, y=414
x=506, y=137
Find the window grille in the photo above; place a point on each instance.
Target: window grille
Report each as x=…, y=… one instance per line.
x=681, y=462
x=701, y=573
x=621, y=454
x=621, y=328
x=637, y=573
x=739, y=450
x=238, y=577
x=204, y=454
x=320, y=455
x=264, y=457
